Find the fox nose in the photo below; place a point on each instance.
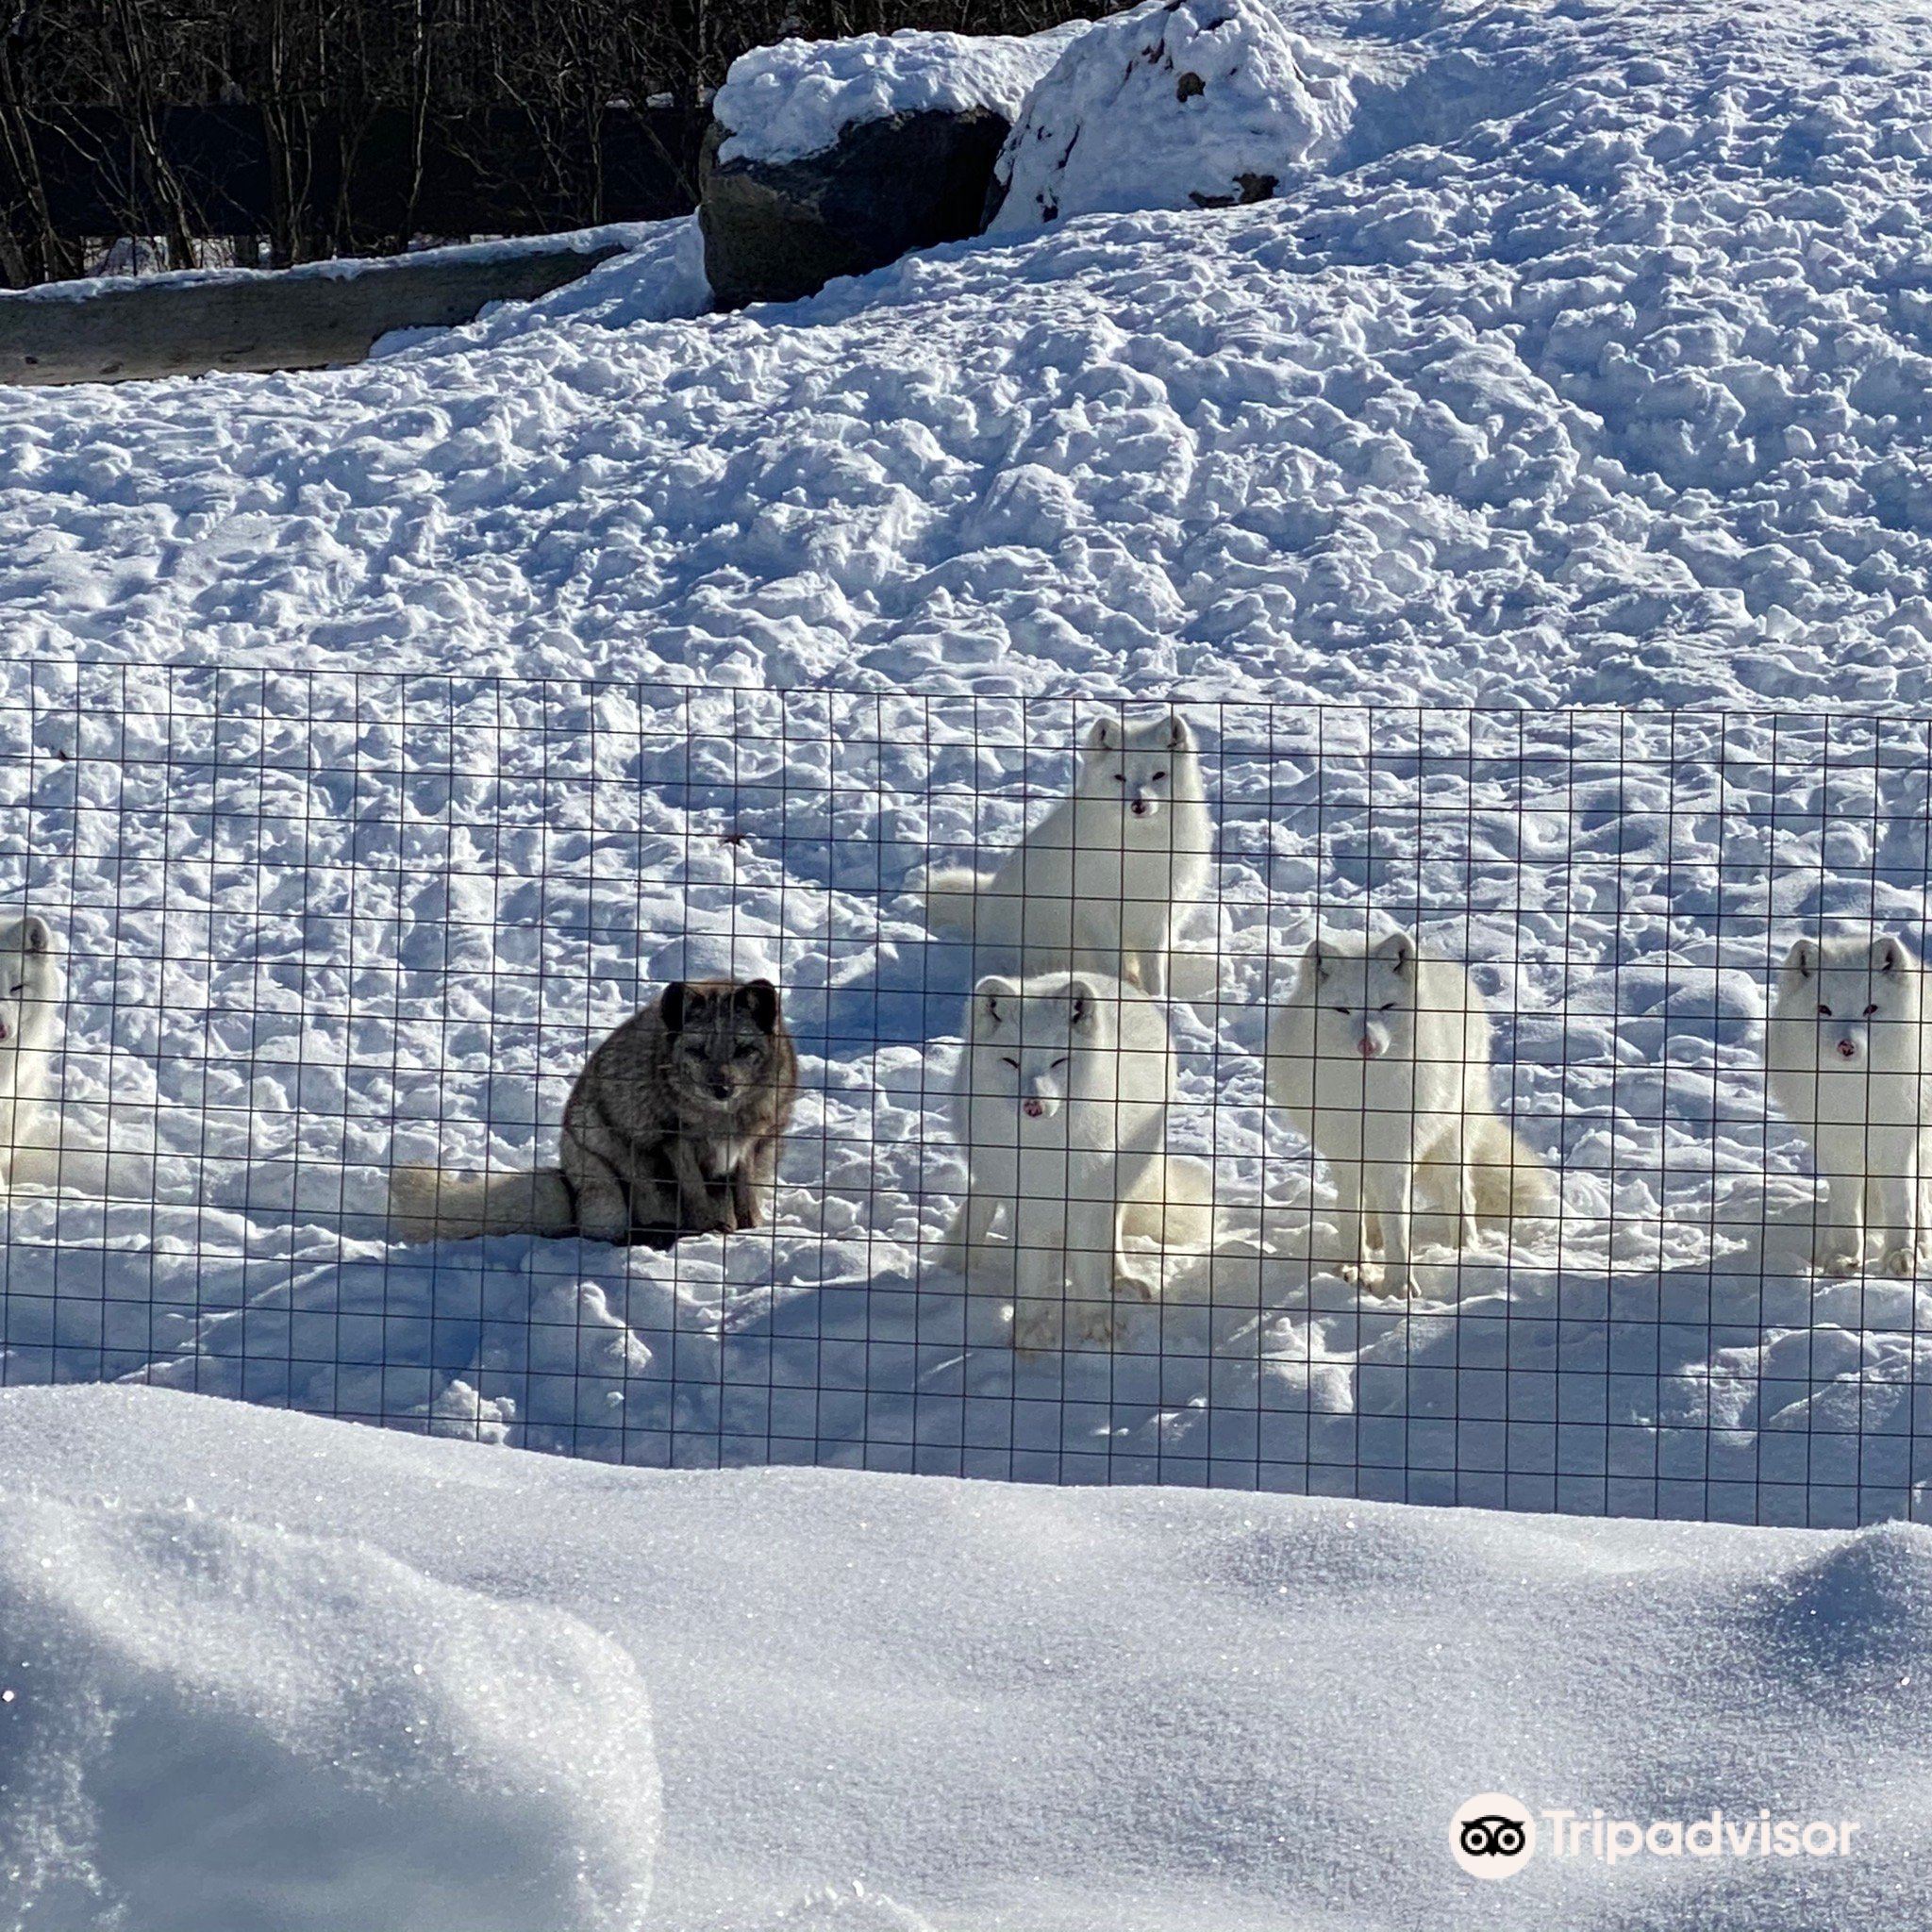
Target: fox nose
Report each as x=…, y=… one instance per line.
x=1138, y=807
x=1034, y=1108
x=5, y=1031
x=1366, y=1047
x=1847, y=1050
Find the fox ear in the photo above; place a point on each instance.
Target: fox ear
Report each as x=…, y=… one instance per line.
x=989, y=1000
x=1801, y=959
x=34, y=935
x=1177, y=732
x=1080, y=999
x=759, y=998
x=1105, y=735
x=1315, y=959
x=1399, y=950
x=1889, y=956
x=671, y=1005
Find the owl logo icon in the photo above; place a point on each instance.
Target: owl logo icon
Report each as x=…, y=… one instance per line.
x=1493, y=1835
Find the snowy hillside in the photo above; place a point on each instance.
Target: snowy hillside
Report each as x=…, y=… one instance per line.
x=899, y=1706
x=1587, y=364
x=1592, y=368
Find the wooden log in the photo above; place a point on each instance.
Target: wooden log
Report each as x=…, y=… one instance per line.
x=320, y=316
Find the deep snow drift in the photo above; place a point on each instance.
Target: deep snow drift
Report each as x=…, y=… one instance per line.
x=890, y=1706
x=1587, y=364
x=206, y=1722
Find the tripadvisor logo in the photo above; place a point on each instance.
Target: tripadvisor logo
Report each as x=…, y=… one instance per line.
x=1493, y=1835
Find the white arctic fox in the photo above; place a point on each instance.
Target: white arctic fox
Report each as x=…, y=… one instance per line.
x=1380, y=1054
x=1101, y=882
x=1844, y=1055
x=1060, y=1102
x=29, y=1020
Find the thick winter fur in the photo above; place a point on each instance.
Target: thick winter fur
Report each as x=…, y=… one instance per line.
x=1101, y=882
x=672, y=1129
x=1061, y=1102
x=1380, y=1056
x=1845, y=1054
x=30, y=989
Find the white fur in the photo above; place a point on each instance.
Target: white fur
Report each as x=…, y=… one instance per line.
x=1844, y=1055
x=1101, y=883
x=1061, y=1103
x=1380, y=1054
x=30, y=994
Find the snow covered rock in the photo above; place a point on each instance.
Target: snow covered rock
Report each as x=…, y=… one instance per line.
x=208, y=1722
x=787, y=102
x=831, y=158
x=1178, y=104
x=779, y=230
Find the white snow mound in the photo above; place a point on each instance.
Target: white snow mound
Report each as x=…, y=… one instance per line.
x=1178, y=104
x=796, y=98
x=208, y=1723
x=897, y=1705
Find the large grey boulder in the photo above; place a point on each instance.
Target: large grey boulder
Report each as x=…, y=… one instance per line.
x=775, y=230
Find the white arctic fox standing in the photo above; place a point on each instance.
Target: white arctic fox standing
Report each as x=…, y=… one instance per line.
x=1060, y=1102
x=1101, y=882
x=29, y=1020
x=1380, y=1054
x=1844, y=1055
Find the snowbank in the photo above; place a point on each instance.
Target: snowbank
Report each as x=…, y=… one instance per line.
x=793, y=99
x=884, y=1706
x=1177, y=104
x=206, y=1721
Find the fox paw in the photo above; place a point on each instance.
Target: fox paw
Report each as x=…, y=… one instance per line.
x=1100, y=1325
x=1036, y=1330
x=1900, y=1260
x=1836, y=1262
x=1132, y=1282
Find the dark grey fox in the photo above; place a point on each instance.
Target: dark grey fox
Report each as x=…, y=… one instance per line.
x=673, y=1128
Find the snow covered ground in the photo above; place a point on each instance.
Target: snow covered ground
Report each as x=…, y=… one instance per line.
x=896, y=1706
x=1587, y=367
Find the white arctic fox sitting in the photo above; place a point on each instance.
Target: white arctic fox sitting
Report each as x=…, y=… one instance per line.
x=1060, y=1102
x=1101, y=882
x=1844, y=1055
x=1381, y=1056
x=29, y=1020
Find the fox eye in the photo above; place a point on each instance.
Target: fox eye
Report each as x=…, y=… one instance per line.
x=21, y=988
x=1871, y=1010
x=746, y=1049
x=1825, y=1011
x=1386, y=1007
x=1007, y=1060
x=1344, y=1011
x=1060, y=1062
x=1120, y=777
x=1157, y=778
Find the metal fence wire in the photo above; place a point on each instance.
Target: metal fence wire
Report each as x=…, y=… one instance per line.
x=270, y=933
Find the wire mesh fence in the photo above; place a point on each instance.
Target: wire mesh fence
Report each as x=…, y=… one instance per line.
x=299, y=929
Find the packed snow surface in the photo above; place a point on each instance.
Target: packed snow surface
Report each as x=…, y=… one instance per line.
x=1177, y=104
x=208, y=1721
x=797, y=97
x=896, y=1706
x=1591, y=368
